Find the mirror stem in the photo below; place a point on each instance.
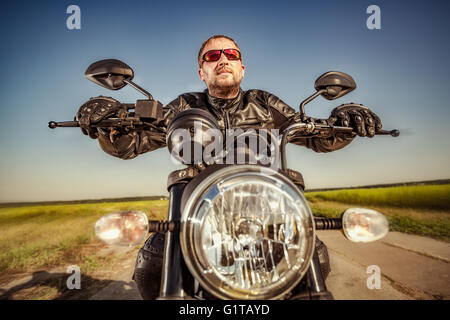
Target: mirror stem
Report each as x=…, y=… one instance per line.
x=145, y=93
x=302, y=105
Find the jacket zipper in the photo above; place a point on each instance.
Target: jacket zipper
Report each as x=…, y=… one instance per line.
x=228, y=125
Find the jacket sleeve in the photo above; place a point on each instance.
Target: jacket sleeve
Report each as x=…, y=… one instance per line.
x=284, y=116
x=130, y=145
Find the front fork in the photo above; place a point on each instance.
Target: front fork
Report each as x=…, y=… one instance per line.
x=171, y=277
x=172, y=286
x=316, y=282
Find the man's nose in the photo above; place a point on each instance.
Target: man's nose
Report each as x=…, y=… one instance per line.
x=223, y=59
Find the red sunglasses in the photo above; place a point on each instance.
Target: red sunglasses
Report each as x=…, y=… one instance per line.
x=214, y=55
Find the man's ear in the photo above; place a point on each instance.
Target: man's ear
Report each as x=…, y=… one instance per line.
x=243, y=70
x=200, y=73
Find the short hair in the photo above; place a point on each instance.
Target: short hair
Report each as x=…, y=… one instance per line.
x=217, y=36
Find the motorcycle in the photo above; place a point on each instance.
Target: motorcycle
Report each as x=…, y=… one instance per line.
x=233, y=231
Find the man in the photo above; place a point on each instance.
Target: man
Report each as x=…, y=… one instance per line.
x=222, y=72
x=221, y=68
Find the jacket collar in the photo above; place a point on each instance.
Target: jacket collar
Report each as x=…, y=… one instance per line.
x=220, y=104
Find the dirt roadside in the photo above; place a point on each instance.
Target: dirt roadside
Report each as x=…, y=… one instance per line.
x=52, y=284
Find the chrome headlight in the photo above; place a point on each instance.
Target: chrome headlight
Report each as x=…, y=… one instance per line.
x=247, y=233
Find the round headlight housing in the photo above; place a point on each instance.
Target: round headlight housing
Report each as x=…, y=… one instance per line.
x=247, y=233
x=189, y=133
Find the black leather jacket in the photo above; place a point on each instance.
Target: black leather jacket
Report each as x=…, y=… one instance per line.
x=250, y=109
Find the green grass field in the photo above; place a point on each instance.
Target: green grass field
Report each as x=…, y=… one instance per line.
x=430, y=197
x=43, y=237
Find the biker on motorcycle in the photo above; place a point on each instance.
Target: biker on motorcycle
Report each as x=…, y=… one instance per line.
x=221, y=68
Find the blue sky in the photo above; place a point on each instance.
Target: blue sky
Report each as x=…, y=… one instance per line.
x=401, y=72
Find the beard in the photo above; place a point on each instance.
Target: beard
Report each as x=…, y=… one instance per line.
x=225, y=87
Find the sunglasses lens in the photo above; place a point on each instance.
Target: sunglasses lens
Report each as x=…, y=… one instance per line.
x=232, y=54
x=213, y=55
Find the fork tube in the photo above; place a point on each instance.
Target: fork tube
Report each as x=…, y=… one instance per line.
x=171, y=278
x=283, y=151
x=317, y=284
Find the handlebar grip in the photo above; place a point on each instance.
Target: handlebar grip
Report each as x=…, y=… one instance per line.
x=53, y=124
x=394, y=133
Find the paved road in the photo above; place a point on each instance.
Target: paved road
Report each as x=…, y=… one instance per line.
x=412, y=267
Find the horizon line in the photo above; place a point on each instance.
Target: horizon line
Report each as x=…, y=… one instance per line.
x=159, y=197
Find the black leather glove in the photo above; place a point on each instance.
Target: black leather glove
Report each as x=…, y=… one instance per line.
x=359, y=117
x=95, y=110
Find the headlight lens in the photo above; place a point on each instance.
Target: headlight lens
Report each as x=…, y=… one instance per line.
x=247, y=233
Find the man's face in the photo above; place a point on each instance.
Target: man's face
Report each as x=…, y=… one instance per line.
x=221, y=75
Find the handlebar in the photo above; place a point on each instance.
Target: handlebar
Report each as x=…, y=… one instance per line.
x=141, y=117
x=310, y=129
x=101, y=124
x=132, y=122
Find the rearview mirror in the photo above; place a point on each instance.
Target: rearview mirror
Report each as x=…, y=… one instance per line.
x=335, y=83
x=109, y=73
